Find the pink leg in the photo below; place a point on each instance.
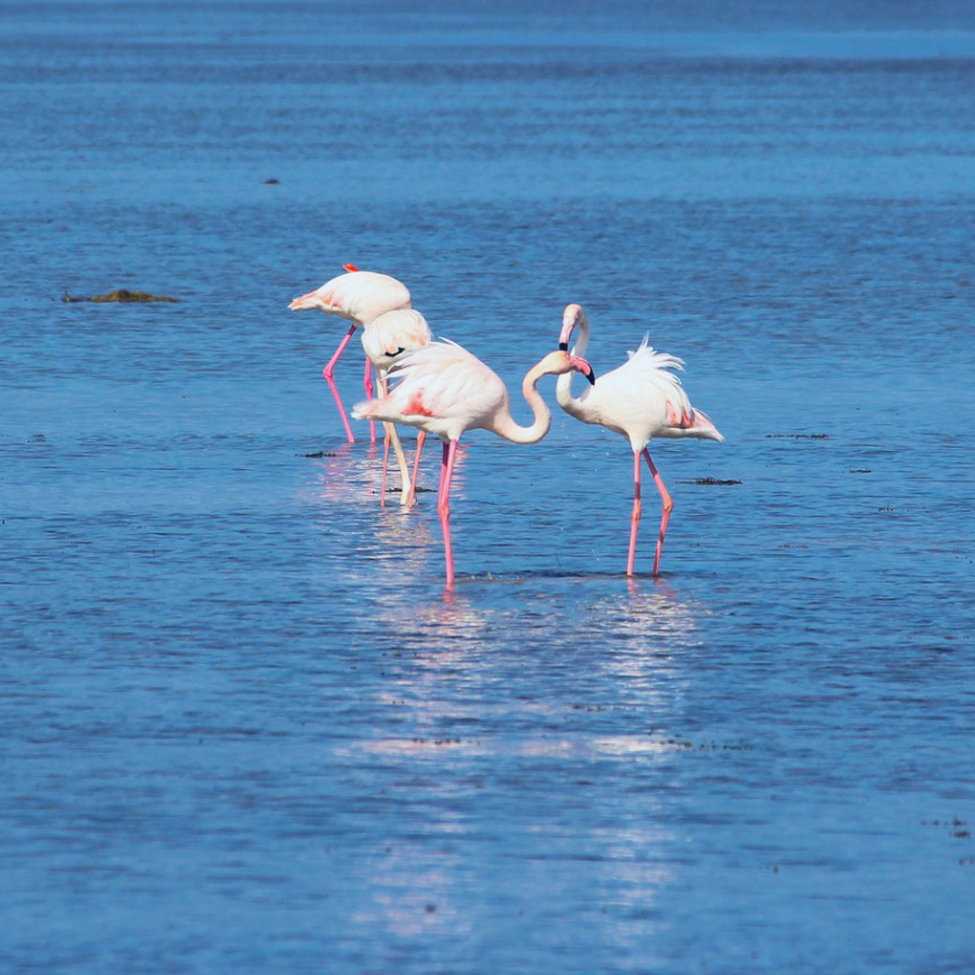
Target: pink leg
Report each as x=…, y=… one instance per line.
x=443, y=471
x=382, y=497
x=635, y=517
x=327, y=373
x=367, y=383
x=443, y=505
x=668, y=506
x=386, y=442
x=420, y=440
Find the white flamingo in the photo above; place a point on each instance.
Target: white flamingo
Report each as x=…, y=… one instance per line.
x=442, y=389
x=641, y=399
x=390, y=326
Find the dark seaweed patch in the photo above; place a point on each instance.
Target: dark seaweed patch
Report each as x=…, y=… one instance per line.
x=797, y=436
x=709, y=480
x=121, y=295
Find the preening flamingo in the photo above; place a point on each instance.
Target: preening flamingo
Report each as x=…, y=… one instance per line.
x=445, y=390
x=641, y=399
x=390, y=326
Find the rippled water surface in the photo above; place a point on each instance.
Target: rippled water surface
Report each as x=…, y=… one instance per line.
x=244, y=727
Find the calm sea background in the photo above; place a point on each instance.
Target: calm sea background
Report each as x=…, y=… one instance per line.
x=244, y=729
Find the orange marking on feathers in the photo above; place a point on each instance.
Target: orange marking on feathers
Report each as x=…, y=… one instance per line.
x=415, y=407
x=349, y=267
x=683, y=421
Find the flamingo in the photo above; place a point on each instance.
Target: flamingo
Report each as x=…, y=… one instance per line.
x=445, y=390
x=640, y=399
x=383, y=306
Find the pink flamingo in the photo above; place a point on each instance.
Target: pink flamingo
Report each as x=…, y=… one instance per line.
x=383, y=307
x=442, y=389
x=641, y=399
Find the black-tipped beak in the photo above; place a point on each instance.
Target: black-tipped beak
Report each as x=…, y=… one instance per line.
x=580, y=365
x=563, y=346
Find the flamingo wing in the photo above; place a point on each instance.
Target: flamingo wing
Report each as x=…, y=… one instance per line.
x=665, y=405
x=654, y=371
x=361, y=296
x=641, y=393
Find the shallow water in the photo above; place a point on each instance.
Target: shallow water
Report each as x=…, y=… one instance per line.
x=245, y=728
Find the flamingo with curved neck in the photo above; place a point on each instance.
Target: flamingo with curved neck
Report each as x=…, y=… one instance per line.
x=445, y=390
x=641, y=399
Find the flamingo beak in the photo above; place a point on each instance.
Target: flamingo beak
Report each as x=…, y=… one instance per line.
x=580, y=365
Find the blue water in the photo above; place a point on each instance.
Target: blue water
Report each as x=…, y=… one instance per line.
x=246, y=730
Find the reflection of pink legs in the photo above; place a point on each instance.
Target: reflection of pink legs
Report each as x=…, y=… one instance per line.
x=443, y=505
x=420, y=440
x=635, y=517
x=327, y=373
x=367, y=384
x=668, y=506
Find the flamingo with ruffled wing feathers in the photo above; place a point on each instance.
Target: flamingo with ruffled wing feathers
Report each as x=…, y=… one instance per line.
x=390, y=327
x=641, y=399
x=443, y=389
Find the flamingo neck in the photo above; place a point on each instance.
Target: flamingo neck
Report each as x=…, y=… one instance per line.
x=504, y=424
x=563, y=388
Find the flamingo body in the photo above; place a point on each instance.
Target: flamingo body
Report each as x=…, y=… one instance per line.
x=442, y=389
x=392, y=334
x=359, y=296
x=640, y=399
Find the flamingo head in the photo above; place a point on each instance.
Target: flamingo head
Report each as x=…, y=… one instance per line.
x=560, y=362
x=572, y=316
